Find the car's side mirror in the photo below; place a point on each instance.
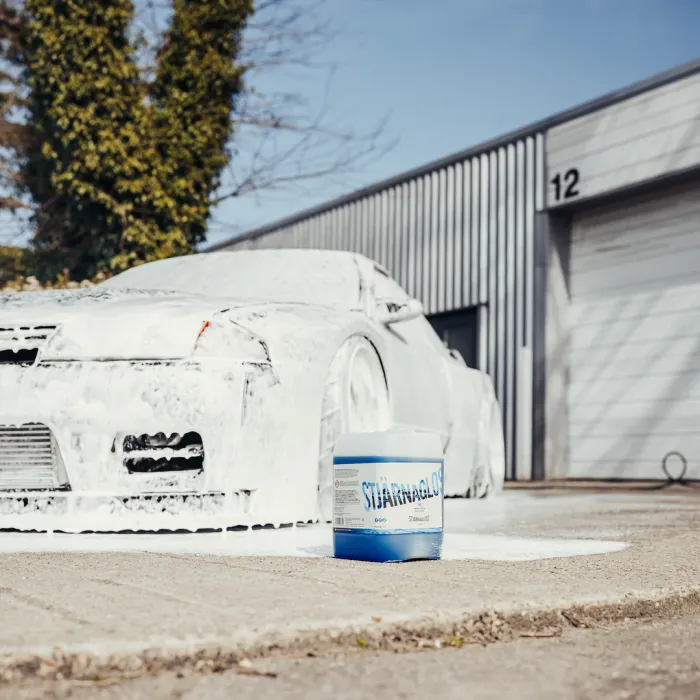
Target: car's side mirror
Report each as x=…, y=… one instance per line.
x=389, y=312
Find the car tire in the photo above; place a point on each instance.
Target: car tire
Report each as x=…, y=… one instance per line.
x=355, y=400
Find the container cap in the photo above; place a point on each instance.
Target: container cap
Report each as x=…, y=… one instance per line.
x=397, y=444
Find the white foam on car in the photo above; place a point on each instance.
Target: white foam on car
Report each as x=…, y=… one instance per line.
x=87, y=404
x=126, y=357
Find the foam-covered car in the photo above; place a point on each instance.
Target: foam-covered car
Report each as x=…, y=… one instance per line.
x=208, y=391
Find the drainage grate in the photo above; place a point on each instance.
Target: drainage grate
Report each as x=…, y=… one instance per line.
x=29, y=458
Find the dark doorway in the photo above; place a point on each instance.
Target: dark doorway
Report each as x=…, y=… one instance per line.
x=460, y=330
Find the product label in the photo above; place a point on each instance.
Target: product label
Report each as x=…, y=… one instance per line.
x=388, y=497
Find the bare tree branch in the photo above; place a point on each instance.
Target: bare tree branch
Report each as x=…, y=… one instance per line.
x=295, y=148
x=282, y=141
x=287, y=33
x=311, y=157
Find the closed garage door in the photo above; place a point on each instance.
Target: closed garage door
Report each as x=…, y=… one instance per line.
x=634, y=382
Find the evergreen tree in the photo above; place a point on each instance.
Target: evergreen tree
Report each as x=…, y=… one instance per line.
x=124, y=170
x=194, y=93
x=120, y=159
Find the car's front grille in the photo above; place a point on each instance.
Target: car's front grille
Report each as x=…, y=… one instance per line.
x=29, y=458
x=20, y=344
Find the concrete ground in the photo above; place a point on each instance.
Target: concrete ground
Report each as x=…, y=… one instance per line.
x=652, y=661
x=98, y=615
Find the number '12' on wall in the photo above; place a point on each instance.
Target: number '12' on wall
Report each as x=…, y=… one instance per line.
x=565, y=187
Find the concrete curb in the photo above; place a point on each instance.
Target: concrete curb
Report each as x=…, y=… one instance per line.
x=481, y=627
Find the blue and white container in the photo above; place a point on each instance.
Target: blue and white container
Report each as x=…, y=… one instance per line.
x=388, y=502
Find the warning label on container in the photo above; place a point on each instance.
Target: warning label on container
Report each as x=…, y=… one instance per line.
x=389, y=497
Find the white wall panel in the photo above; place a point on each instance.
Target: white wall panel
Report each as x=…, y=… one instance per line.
x=642, y=138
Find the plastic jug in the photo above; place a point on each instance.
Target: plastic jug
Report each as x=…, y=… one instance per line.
x=388, y=503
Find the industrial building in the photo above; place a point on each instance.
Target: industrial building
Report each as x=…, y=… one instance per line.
x=563, y=259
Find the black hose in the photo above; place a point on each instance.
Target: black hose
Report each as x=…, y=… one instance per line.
x=675, y=479
x=680, y=479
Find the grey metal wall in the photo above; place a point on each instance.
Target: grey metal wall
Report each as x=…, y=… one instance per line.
x=457, y=236
x=462, y=232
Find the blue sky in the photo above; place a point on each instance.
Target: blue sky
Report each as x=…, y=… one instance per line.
x=450, y=74
x=453, y=73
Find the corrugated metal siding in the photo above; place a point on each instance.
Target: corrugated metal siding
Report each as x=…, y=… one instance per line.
x=459, y=236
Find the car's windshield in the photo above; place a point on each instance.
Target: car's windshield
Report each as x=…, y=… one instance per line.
x=301, y=276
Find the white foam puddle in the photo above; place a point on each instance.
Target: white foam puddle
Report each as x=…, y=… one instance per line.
x=298, y=542
x=506, y=548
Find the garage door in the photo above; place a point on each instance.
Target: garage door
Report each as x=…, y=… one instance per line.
x=634, y=382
